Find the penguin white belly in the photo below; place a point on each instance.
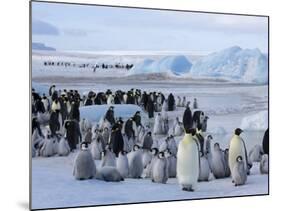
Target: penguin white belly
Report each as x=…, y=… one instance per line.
x=236, y=149
x=122, y=165
x=187, y=164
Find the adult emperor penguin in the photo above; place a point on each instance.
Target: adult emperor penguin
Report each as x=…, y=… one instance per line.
x=157, y=129
x=237, y=148
x=160, y=169
x=204, y=168
x=239, y=174
x=218, y=162
x=84, y=165
x=129, y=130
x=116, y=138
x=188, y=162
x=187, y=119
x=122, y=164
x=109, y=174
x=135, y=163
x=264, y=164
x=265, y=142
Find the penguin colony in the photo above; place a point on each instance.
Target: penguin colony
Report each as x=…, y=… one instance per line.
x=132, y=149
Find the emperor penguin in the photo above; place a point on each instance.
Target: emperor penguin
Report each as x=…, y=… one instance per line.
x=165, y=125
x=84, y=165
x=226, y=156
x=172, y=164
x=135, y=163
x=96, y=149
x=122, y=164
x=237, y=148
x=178, y=103
x=255, y=154
x=165, y=106
x=265, y=142
x=172, y=145
x=239, y=174
x=108, y=157
x=146, y=157
x=109, y=174
x=47, y=148
x=147, y=141
x=195, y=104
x=205, y=170
x=188, y=162
x=148, y=168
x=183, y=103
x=164, y=144
x=157, y=129
x=204, y=124
x=160, y=169
x=218, y=162
x=63, y=147
x=105, y=135
x=178, y=128
x=264, y=164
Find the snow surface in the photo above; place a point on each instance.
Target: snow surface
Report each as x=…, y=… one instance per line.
x=54, y=186
x=258, y=121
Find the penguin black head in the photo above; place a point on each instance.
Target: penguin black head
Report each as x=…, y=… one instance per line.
x=84, y=145
x=191, y=131
x=123, y=152
x=161, y=154
x=210, y=137
x=239, y=158
x=217, y=145
x=171, y=136
x=149, y=133
x=154, y=151
x=226, y=150
x=136, y=147
x=238, y=131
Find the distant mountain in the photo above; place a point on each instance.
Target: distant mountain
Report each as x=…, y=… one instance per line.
x=235, y=64
x=41, y=46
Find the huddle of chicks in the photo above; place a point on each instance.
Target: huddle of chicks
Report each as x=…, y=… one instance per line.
x=140, y=162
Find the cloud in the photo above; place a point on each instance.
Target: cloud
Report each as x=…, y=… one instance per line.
x=43, y=28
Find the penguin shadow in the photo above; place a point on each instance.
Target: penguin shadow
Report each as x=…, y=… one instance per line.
x=23, y=205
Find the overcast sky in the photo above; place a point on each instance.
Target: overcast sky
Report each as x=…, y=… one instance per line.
x=95, y=28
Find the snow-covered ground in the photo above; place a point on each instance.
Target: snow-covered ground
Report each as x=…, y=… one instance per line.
x=54, y=186
x=229, y=105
